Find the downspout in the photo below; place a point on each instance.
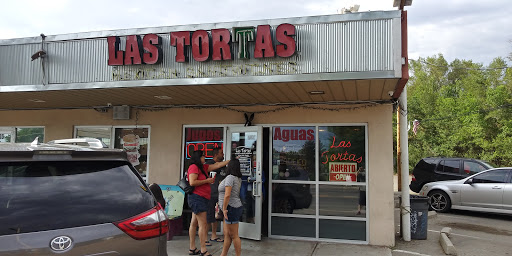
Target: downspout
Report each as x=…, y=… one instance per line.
x=401, y=94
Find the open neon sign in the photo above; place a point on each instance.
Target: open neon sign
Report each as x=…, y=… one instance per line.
x=205, y=146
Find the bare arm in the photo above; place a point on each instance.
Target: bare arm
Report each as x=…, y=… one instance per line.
x=218, y=165
x=227, y=195
x=194, y=182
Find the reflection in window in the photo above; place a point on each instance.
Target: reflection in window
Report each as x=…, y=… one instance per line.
x=100, y=133
x=293, y=198
x=471, y=168
x=497, y=176
x=343, y=201
x=293, y=153
x=24, y=135
x=342, y=152
x=449, y=166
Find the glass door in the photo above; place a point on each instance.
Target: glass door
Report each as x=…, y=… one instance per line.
x=246, y=144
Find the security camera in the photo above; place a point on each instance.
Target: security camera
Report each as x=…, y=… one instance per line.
x=109, y=105
x=390, y=93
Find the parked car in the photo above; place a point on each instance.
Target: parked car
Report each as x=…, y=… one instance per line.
x=443, y=168
x=61, y=199
x=289, y=196
x=487, y=191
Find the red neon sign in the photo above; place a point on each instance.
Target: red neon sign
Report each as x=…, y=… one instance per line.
x=205, y=146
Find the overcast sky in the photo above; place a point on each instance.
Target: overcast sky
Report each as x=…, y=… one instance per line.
x=465, y=29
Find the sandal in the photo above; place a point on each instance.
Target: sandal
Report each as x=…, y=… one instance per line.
x=206, y=253
x=194, y=252
x=218, y=239
x=207, y=243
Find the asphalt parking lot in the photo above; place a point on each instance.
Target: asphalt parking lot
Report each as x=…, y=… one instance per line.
x=472, y=234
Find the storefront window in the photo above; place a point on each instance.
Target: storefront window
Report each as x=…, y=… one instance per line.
x=100, y=133
x=135, y=142
x=293, y=153
x=342, y=152
x=21, y=134
x=202, y=138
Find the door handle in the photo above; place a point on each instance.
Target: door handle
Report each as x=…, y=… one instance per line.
x=496, y=187
x=255, y=191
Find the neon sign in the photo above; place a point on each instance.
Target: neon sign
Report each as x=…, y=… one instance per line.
x=205, y=146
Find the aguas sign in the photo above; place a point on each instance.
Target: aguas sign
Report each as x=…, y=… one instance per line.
x=215, y=44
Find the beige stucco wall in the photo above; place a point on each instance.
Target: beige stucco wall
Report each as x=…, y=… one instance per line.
x=166, y=137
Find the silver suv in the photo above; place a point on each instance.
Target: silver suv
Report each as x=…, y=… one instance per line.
x=60, y=198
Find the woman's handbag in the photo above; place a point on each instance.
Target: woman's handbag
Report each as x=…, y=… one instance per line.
x=219, y=215
x=183, y=184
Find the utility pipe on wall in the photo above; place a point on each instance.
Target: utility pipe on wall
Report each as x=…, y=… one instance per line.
x=405, y=208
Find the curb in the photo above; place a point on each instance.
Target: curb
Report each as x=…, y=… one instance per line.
x=448, y=247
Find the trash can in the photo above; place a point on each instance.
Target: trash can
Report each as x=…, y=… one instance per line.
x=419, y=217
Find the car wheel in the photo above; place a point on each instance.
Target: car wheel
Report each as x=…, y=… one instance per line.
x=285, y=205
x=439, y=201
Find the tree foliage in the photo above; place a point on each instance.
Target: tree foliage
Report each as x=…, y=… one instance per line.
x=464, y=109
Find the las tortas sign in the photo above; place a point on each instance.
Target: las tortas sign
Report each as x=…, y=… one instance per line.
x=215, y=44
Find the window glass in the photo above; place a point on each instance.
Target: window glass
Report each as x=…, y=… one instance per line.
x=6, y=134
x=300, y=227
x=135, y=141
x=496, y=176
x=68, y=194
x=343, y=229
x=471, y=167
x=29, y=134
x=293, y=153
x=342, y=152
x=202, y=138
x=343, y=201
x=293, y=198
x=449, y=166
x=100, y=133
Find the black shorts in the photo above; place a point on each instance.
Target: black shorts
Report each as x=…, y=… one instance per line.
x=210, y=214
x=197, y=203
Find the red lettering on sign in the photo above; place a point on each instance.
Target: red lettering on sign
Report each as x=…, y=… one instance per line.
x=221, y=49
x=152, y=44
x=203, y=135
x=264, y=46
x=284, y=33
x=180, y=40
x=200, y=45
x=298, y=134
x=132, y=52
x=115, y=56
x=341, y=144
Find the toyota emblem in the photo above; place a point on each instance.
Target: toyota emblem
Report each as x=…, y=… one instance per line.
x=61, y=243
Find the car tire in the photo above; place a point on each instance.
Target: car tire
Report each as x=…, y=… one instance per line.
x=439, y=201
x=285, y=205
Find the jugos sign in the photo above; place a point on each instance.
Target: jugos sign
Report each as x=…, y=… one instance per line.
x=206, y=45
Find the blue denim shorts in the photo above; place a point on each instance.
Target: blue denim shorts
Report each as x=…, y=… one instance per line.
x=234, y=214
x=197, y=203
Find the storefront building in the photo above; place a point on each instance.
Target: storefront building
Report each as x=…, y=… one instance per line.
x=305, y=103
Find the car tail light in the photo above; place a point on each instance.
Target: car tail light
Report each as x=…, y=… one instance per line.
x=146, y=225
x=413, y=178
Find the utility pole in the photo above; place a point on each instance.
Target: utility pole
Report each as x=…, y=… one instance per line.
x=398, y=149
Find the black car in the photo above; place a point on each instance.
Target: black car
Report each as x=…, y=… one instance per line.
x=63, y=199
x=432, y=169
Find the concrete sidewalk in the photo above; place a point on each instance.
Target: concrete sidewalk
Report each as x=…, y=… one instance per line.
x=178, y=246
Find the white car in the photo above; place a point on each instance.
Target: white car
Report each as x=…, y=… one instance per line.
x=487, y=191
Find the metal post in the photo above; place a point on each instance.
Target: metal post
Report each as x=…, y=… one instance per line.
x=406, y=205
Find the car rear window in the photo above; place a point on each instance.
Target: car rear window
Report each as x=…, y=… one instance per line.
x=40, y=196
